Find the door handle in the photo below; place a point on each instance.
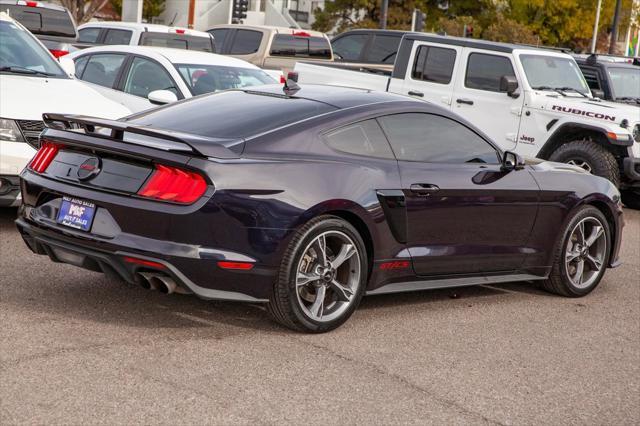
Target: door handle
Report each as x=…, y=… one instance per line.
x=424, y=189
x=414, y=93
x=464, y=101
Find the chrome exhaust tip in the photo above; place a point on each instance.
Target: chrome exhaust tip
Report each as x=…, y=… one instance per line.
x=165, y=284
x=148, y=281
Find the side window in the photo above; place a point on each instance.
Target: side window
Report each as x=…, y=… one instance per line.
x=117, y=37
x=219, y=37
x=435, y=139
x=246, y=42
x=145, y=76
x=434, y=64
x=349, y=48
x=592, y=79
x=484, y=71
x=383, y=49
x=80, y=64
x=103, y=69
x=363, y=138
x=88, y=35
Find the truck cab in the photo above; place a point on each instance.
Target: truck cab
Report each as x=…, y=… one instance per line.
x=612, y=78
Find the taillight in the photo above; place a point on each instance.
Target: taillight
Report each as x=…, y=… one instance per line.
x=44, y=156
x=180, y=31
x=174, y=184
x=58, y=53
x=31, y=3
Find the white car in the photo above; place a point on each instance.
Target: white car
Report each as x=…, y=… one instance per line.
x=141, y=77
x=32, y=82
x=134, y=34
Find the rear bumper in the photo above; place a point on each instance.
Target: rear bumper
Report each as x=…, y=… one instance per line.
x=9, y=191
x=110, y=260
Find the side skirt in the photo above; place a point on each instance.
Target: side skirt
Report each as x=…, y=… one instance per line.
x=451, y=282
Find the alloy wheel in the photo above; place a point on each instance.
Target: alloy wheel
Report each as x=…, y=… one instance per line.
x=585, y=252
x=582, y=164
x=328, y=276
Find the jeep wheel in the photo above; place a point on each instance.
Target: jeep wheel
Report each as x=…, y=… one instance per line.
x=631, y=198
x=590, y=156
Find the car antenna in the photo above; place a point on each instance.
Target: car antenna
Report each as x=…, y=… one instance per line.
x=174, y=19
x=291, y=84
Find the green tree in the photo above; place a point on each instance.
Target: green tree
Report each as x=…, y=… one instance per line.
x=509, y=31
x=150, y=8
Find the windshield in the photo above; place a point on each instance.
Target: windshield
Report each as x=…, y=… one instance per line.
x=203, y=79
x=20, y=53
x=553, y=73
x=625, y=82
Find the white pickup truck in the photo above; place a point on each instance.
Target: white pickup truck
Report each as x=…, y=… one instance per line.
x=528, y=100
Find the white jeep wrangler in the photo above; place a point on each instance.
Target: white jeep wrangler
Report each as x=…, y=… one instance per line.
x=533, y=101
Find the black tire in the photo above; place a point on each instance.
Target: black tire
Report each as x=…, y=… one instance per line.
x=601, y=161
x=559, y=281
x=284, y=304
x=631, y=198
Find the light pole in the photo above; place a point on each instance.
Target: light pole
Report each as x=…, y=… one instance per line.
x=594, y=39
x=614, y=30
x=383, y=14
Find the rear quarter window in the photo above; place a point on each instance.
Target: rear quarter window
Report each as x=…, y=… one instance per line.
x=177, y=41
x=42, y=21
x=245, y=42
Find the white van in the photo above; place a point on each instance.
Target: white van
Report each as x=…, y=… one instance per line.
x=32, y=82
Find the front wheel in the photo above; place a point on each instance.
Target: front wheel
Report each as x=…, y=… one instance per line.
x=582, y=254
x=322, y=276
x=589, y=156
x=631, y=198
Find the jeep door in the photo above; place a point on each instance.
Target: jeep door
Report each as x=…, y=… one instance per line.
x=479, y=99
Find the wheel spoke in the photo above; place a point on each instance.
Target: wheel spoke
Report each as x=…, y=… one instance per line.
x=304, y=278
x=596, y=233
x=344, y=293
x=346, y=251
x=581, y=236
x=577, y=278
x=594, y=263
x=318, y=305
x=572, y=255
x=320, y=246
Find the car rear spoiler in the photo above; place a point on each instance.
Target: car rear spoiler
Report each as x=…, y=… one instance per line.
x=166, y=140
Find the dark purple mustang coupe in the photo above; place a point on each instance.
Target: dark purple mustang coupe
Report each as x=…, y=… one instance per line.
x=307, y=200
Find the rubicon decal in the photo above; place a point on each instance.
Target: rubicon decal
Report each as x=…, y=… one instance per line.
x=585, y=113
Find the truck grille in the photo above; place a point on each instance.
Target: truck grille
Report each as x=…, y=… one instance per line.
x=31, y=130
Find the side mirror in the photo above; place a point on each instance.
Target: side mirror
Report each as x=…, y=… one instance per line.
x=597, y=93
x=512, y=161
x=509, y=84
x=68, y=65
x=162, y=97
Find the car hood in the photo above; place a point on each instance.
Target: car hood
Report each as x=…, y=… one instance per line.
x=587, y=108
x=545, y=166
x=27, y=98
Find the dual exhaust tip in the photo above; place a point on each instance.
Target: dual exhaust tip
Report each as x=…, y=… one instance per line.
x=162, y=283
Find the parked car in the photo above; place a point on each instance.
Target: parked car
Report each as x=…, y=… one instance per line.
x=134, y=34
x=611, y=78
x=141, y=77
x=306, y=199
x=52, y=24
x=34, y=82
x=374, y=50
x=528, y=100
x=273, y=48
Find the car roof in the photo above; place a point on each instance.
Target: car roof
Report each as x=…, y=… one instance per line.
x=175, y=56
x=153, y=28
x=279, y=30
x=40, y=4
x=337, y=96
x=477, y=43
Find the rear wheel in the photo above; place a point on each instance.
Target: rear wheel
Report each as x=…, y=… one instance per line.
x=589, y=156
x=322, y=276
x=631, y=198
x=581, y=256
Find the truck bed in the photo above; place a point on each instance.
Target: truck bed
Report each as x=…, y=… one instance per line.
x=337, y=75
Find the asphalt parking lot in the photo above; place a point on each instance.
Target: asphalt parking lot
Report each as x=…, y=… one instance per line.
x=77, y=348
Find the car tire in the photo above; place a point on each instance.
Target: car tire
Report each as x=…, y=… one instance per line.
x=591, y=157
x=577, y=245
x=631, y=198
x=312, y=295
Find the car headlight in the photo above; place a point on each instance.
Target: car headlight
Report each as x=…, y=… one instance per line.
x=9, y=131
